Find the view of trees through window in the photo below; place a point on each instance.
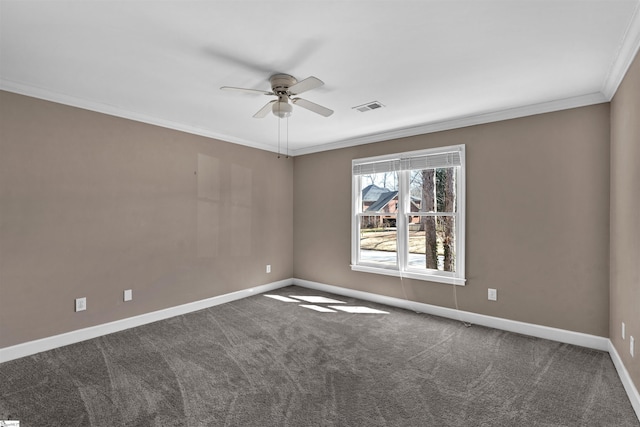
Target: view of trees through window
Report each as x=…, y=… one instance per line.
x=429, y=212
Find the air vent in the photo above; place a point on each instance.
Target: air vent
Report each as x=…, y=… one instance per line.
x=368, y=106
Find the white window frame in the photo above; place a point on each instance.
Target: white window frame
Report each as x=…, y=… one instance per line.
x=402, y=269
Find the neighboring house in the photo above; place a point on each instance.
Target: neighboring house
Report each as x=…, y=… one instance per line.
x=387, y=202
x=382, y=200
x=371, y=194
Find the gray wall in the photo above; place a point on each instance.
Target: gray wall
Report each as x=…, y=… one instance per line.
x=91, y=205
x=625, y=218
x=537, y=220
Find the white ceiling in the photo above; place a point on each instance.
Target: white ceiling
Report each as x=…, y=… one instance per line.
x=433, y=64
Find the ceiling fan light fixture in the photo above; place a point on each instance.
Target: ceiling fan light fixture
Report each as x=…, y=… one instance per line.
x=282, y=109
x=285, y=87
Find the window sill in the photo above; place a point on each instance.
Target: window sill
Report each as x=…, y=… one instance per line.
x=410, y=275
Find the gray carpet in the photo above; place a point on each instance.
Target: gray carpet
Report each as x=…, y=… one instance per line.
x=264, y=362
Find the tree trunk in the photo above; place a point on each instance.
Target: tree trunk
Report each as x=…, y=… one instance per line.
x=428, y=223
x=448, y=221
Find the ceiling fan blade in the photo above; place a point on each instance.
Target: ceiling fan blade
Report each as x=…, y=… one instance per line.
x=264, y=110
x=311, y=106
x=251, y=91
x=235, y=59
x=305, y=85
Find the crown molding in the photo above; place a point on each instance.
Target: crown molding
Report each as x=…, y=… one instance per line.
x=459, y=122
x=113, y=110
x=627, y=51
x=464, y=121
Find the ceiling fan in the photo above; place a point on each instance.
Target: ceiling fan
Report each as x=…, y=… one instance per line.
x=286, y=87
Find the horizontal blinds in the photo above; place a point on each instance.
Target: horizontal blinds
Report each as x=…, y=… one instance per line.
x=427, y=161
x=441, y=160
x=376, y=167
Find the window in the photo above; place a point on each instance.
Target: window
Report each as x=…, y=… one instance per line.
x=408, y=215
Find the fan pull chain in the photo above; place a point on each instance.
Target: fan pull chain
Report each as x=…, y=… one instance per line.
x=278, y=130
x=287, y=137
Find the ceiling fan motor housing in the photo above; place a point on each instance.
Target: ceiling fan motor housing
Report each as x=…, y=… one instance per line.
x=280, y=83
x=285, y=87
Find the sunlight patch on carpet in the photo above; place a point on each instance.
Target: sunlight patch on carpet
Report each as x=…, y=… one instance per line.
x=318, y=308
x=358, y=309
x=316, y=299
x=281, y=298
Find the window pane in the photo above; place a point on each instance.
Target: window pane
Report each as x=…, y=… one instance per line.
x=378, y=240
x=433, y=190
x=380, y=192
x=422, y=194
x=432, y=243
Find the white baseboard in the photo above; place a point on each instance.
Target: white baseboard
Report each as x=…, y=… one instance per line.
x=49, y=343
x=629, y=387
x=553, y=334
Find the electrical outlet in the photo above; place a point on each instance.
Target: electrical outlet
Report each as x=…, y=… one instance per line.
x=631, y=342
x=492, y=294
x=81, y=304
x=128, y=295
x=623, y=330
x=268, y=268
